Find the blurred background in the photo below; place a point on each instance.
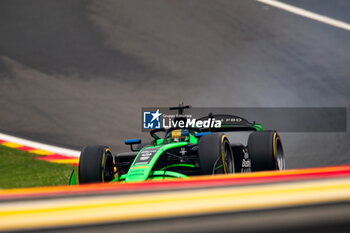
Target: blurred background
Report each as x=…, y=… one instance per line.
x=76, y=73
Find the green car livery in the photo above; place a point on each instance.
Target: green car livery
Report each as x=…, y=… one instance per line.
x=185, y=151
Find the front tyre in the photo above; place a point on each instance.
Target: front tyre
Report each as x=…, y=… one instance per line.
x=265, y=151
x=95, y=165
x=215, y=154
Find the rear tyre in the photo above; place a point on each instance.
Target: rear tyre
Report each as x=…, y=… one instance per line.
x=215, y=154
x=265, y=151
x=96, y=165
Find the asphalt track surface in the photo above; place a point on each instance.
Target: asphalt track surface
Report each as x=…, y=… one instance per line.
x=74, y=73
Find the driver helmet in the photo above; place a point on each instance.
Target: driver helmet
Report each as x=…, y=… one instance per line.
x=179, y=135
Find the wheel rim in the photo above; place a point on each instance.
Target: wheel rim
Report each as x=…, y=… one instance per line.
x=108, y=167
x=228, y=160
x=280, y=161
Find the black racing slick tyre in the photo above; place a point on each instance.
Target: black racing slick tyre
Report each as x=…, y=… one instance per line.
x=95, y=165
x=265, y=151
x=215, y=154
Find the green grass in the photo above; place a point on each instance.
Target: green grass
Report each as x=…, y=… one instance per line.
x=21, y=169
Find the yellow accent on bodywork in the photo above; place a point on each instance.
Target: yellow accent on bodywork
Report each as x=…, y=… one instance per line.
x=139, y=167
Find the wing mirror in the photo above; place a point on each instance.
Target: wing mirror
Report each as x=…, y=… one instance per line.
x=132, y=142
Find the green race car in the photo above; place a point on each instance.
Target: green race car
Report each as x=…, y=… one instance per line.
x=184, y=152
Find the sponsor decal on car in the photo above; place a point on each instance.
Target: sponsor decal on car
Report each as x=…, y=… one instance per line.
x=183, y=151
x=246, y=163
x=145, y=156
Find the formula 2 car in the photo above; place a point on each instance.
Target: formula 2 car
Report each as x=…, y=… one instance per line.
x=185, y=151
